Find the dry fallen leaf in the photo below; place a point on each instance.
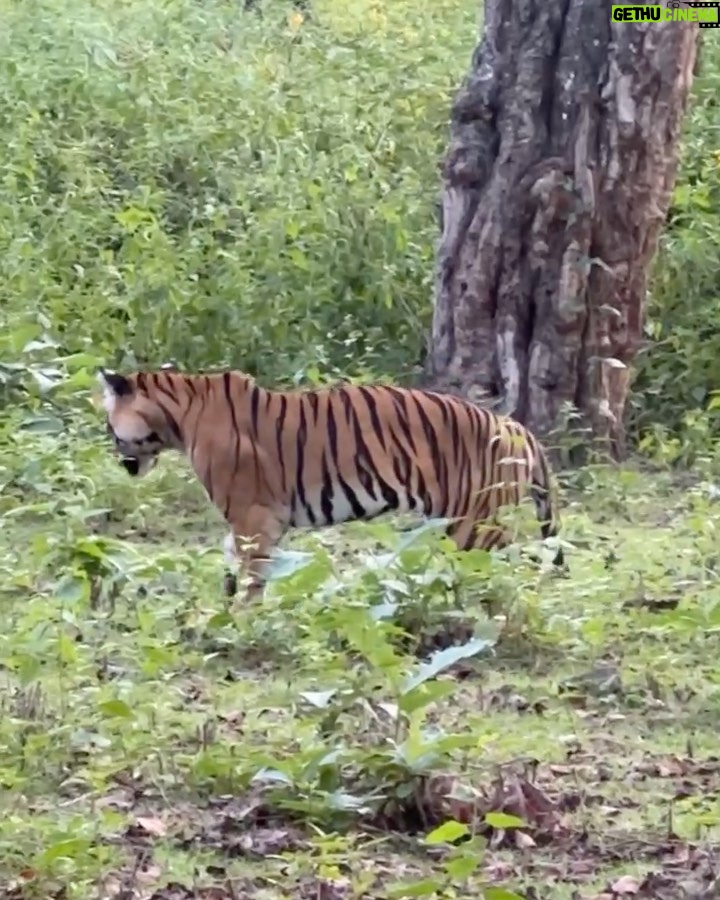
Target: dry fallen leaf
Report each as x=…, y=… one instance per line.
x=625, y=886
x=112, y=887
x=214, y=893
x=523, y=841
x=153, y=826
x=149, y=875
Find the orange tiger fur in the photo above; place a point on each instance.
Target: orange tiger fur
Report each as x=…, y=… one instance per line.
x=272, y=460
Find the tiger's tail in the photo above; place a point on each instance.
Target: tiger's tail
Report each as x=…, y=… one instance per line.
x=544, y=498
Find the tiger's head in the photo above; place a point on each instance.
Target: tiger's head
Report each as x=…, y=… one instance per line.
x=136, y=422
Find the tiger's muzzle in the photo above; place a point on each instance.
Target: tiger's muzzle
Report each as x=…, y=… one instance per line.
x=137, y=466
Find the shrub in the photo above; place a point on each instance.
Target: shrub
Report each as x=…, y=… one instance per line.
x=187, y=180
x=680, y=366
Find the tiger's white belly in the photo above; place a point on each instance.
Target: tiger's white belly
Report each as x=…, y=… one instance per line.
x=342, y=508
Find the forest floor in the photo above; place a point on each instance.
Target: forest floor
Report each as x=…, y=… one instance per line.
x=156, y=743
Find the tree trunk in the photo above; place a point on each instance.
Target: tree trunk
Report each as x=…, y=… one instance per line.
x=557, y=181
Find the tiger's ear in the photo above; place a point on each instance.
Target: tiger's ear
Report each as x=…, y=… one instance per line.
x=114, y=386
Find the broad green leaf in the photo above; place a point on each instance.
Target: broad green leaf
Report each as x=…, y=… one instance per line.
x=503, y=820
x=499, y=893
x=67, y=649
x=424, y=694
x=82, y=361
x=462, y=867
x=45, y=344
x=69, y=848
x=43, y=424
x=96, y=548
x=72, y=590
x=447, y=832
x=428, y=527
x=131, y=218
x=220, y=620
x=318, y=699
x=116, y=709
x=272, y=775
x=424, y=888
x=446, y=743
x=46, y=379
x=287, y=562
x=443, y=659
x=343, y=801
x=383, y=611
x=299, y=259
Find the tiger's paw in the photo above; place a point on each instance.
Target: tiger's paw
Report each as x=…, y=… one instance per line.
x=230, y=584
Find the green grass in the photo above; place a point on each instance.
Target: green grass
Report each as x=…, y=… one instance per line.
x=184, y=180
x=138, y=709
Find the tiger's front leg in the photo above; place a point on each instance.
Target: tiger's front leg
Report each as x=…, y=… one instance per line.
x=231, y=564
x=253, y=559
x=249, y=546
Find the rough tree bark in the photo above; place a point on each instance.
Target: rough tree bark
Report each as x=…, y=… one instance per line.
x=557, y=180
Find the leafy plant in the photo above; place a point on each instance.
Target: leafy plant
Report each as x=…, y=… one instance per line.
x=678, y=367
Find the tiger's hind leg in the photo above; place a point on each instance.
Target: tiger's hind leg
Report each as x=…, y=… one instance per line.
x=491, y=535
x=471, y=534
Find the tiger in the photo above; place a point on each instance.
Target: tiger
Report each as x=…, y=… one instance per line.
x=273, y=460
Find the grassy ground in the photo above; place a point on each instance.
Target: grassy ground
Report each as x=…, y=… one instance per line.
x=155, y=744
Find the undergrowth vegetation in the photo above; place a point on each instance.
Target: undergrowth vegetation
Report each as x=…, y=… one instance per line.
x=188, y=180
x=395, y=719
x=674, y=406
x=184, y=180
